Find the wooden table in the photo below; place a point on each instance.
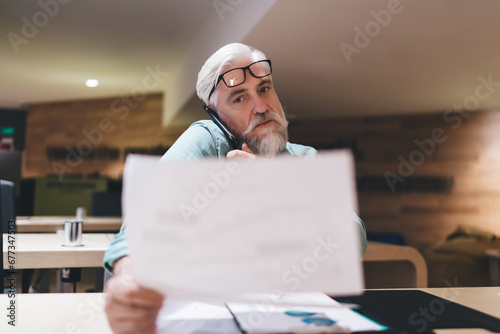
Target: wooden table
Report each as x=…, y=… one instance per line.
x=393, y=266
x=46, y=224
x=45, y=250
x=83, y=312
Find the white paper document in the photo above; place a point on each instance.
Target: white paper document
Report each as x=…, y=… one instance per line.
x=190, y=317
x=243, y=231
x=332, y=317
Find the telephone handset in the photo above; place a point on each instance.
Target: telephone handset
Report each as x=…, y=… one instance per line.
x=232, y=139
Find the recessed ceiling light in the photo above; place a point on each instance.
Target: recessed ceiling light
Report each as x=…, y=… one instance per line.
x=92, y=83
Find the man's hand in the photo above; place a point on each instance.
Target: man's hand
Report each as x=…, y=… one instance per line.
x=245, y=153
x=130, y=307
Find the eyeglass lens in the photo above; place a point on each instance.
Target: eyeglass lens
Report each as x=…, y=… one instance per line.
x=237, y=76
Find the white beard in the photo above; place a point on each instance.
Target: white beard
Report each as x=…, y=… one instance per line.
x=271, y=143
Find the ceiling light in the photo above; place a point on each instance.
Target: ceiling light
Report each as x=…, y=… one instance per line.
x=92, y=83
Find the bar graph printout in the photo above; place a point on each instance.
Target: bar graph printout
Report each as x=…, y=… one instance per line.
x=234, y=231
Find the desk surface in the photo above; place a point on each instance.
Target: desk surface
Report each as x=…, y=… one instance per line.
x=83, y=312
x=47, y=224
x=45, y=250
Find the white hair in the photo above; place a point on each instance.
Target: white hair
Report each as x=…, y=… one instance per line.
x=220, y=62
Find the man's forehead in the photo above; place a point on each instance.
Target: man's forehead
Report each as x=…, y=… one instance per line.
x=240, y=63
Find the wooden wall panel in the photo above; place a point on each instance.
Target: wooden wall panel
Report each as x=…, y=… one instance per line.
x=111, y=125
x=469, y=154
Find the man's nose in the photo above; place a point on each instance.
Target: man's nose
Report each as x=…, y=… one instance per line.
x=259, y=105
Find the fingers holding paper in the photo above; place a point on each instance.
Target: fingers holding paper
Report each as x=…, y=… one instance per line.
x=130, y=307
x=245, y=153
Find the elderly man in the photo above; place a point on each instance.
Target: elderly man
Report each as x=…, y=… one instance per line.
x=236, y=85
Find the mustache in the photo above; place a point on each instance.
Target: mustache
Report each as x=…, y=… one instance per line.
x=259, y=118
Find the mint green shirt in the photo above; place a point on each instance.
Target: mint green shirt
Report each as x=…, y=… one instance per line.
x=204, y=139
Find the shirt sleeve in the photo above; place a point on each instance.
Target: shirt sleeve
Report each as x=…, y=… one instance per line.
x=117, y=249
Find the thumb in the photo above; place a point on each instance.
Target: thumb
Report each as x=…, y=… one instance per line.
x=245, y=148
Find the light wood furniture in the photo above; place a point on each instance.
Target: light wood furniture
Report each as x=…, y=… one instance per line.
x=46, y=224
x=46, y=250
x=393, y=266
x=83, y=312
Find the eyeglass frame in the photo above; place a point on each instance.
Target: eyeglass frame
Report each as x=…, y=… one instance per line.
x=221, y=77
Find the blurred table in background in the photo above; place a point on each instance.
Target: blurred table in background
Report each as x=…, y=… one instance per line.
x=47, y=224
x=46, y=250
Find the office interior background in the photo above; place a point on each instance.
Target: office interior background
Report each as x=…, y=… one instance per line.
x=411, y=87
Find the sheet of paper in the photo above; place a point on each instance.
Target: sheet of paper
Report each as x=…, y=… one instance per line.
x=189, y=317
x=226, y=230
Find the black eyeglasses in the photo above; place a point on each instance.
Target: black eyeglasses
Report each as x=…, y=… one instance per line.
x=236, y=76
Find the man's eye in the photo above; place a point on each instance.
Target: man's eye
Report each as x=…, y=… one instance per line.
x=264, y=89
x=238, y=100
